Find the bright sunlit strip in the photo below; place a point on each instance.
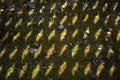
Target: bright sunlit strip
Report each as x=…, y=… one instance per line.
x=52, y=7
x=75, y=18
x=99, y=50
x=117, y=20
x=64, y=6
x=18, y=23
x=31, y=12
x=2, y=52
x=12, y=54
x=115, y=6
x=51, y=22
x=38, y=52
x=87, y=69
x=109, y=53
x=50, y=51
x=51, y=35
x=112, y=70
x=75, y=33
x=105, y=7
x=39, y=35
x=50, y=67
x=35, y=71
x=29, y=22
x=74, y=5
x=1, y=67
x=100, y=68
x=25, y=53
x=5, y=36
x=87, y=50
x=32, y=0
x=23, y=70
x=96, y=18
x=85, y=5
x=63, y=34
x=63, y=49
x=19, y=12
x=10, y=71
x=64, y=19
x=41, y=21
x=28, y=35
x=62, y=68
x=86, y=17
x=118, y=36
x=86, y=33
x=95, y=5
x=16, y=36
x=41, y=1
x=75, y=50
x=97, y=34
x=8, y=22
x=106, y=19
x=75, y=68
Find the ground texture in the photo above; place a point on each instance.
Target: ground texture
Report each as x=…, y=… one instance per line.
x=34, y=46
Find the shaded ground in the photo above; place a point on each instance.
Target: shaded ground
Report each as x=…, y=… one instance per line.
x=32, y=46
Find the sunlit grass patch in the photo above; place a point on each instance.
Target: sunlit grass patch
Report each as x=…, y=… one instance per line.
x=64, y=19
x=107, y=19
x=97, y=34
x=12, y=54
x=97, y=17
x=8, y=22
x=115, y=6
x=75, y=33
x=10, y=71
x=23, y=70
x=50, y=51
x=5, y=36
x=95, y=5
x=35, y=71
x=117, y=19
x=105, y=7
x=25, y=53
x=87, y=69
x=38, y=51
x=62, y=68
x=19, y=23
x=3, y=51
x=74, y=5
x=75, y=68
x=86, y=17
x=31, y=12
x=63, y=35
x=63, y=50
x=74, y=20
x=50, y=67
x=112, y=70
x=51, y=22
x=100, y=68
x=87, y=50
x=118, y=36
x=51, y=35
x=39, y=35
x=74, y=50
x=16, y=36
x=28, y=34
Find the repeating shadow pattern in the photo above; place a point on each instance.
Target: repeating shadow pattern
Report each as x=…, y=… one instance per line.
x=32, y=47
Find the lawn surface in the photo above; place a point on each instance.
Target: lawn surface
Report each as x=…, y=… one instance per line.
x=32, y=47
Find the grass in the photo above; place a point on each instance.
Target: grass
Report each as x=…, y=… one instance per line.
x=61, y=54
